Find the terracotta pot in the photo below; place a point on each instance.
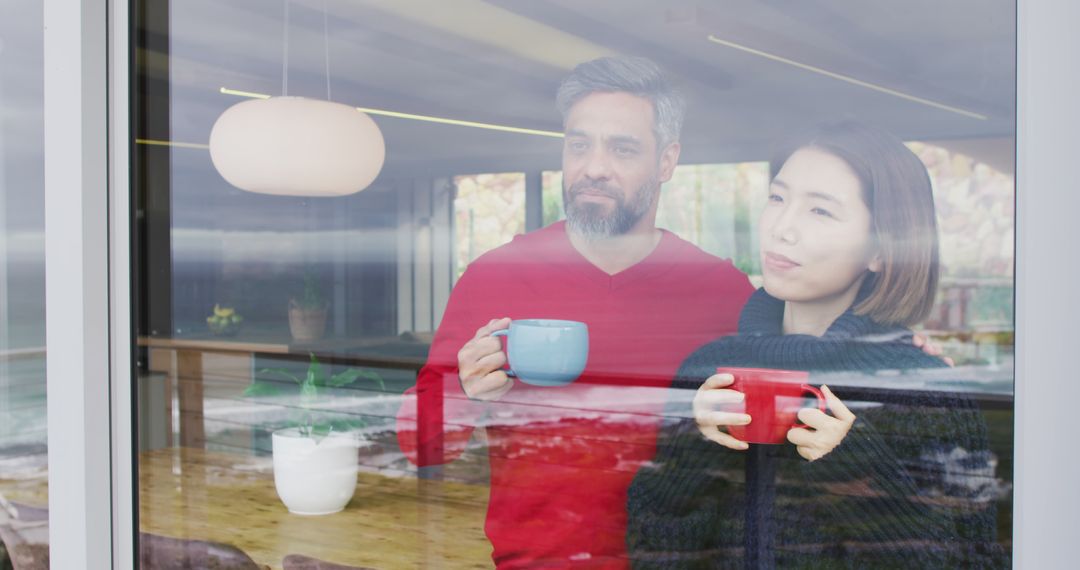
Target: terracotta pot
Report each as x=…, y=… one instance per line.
x=306, y=325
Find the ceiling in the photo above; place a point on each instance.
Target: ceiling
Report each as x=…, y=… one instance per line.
x=500, y=61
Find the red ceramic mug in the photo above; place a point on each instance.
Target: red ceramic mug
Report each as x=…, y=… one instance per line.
x=773, y=399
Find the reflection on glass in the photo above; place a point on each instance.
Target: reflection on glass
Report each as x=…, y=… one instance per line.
x=340, y=323
x=23, y=432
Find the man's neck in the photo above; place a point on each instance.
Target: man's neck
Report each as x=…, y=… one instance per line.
x=617, y=253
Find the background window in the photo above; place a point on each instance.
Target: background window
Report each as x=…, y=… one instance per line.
x=489, y=210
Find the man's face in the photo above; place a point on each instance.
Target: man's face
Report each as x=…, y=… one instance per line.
x=611, y=168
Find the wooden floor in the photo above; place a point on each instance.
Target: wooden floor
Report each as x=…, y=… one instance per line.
x=392, y=522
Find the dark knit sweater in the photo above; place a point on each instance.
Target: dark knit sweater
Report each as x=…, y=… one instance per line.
x=860, y=506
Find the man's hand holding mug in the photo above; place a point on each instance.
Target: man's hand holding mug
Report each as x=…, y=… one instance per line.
x=541, y=352
x=481, y=362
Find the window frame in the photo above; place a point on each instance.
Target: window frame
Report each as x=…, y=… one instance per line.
x=1046, y=498
x=88, y=389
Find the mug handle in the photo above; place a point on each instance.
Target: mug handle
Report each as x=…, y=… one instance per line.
x=820, y=401
x=504, y=333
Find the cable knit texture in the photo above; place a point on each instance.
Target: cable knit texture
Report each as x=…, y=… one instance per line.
x=864, y=505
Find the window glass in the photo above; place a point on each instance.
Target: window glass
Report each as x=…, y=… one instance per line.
x=553, y=198
x=23, y=432
x=489, y=210
x=340, y=206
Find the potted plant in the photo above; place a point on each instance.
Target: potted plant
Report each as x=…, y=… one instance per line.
x=315, y=460
x=307, y=312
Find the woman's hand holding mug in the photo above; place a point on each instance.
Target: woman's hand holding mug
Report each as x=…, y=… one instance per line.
x=817, y=435
x=828, y=431
x=710, y=397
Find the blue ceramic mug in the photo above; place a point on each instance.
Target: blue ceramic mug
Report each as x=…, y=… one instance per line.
x=546, y=352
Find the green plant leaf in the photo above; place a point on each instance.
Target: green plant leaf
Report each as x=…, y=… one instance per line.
x=261, y=389
x=307, y=424
x=315, y=374
x=308, y=392
x=374, y=377
x=310, y=295
x=342, y=426
x=281, y=372
x=343, y=378
x=319, y=431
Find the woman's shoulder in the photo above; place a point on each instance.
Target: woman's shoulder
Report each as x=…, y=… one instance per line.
x=861, y=343
x=893, y=351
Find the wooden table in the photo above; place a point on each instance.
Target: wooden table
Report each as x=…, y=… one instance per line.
x=182, y=362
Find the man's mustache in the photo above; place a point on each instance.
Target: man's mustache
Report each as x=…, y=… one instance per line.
x=594, y=188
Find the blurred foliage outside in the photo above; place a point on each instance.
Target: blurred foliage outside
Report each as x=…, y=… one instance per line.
x=976, y=224
x=489, y=210
x=551, y=182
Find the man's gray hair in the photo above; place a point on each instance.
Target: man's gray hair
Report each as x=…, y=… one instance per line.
x=636, y=76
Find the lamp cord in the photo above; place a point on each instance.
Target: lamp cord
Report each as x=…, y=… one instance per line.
x=326, y=49
x=285, y=52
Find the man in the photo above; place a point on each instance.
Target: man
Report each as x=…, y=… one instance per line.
x=562, y=458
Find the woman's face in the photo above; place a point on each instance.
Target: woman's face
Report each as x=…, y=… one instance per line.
x=815, y=232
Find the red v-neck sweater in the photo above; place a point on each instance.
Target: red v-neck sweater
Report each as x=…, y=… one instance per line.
x=562, y=458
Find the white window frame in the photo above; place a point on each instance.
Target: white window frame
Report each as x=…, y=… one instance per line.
x=91, y=507
x=124, y=484
x=1046, y=501
x=88, y=295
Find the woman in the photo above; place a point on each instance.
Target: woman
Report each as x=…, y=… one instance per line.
x=849, y=258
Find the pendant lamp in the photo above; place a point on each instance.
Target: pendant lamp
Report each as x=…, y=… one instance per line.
x=295, y=146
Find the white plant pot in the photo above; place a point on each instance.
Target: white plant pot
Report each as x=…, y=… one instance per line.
x=315, y=478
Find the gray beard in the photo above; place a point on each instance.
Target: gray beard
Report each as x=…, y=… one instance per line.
x=594, y=222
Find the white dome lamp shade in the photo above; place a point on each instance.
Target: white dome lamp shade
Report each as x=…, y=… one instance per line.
x=294, y=146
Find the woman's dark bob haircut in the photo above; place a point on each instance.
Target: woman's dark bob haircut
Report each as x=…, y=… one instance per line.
x=896, y=189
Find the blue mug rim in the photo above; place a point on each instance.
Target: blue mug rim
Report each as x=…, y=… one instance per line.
x=548, y=323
